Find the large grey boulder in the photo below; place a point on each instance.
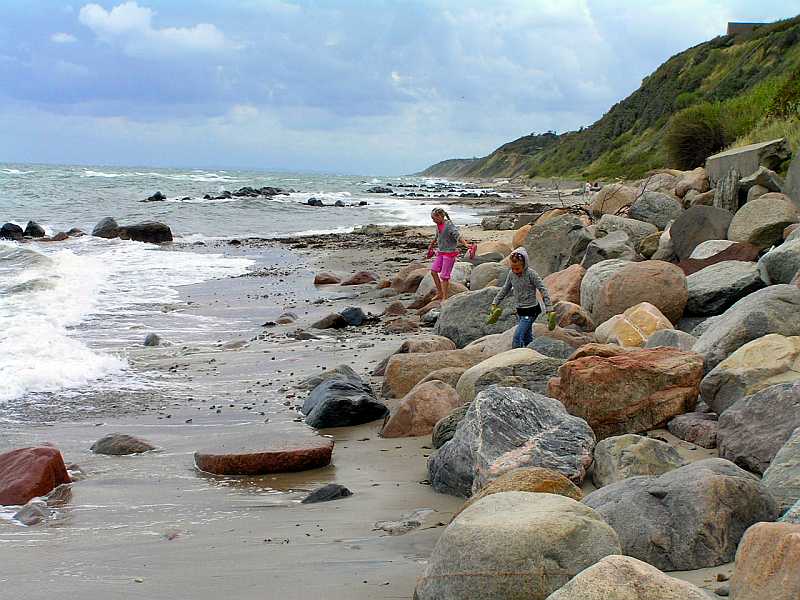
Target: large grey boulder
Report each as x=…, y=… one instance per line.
x=752, y=431
x=508, y=428
x=718, y=286
x=106, y=228
x=696, y=225
x=615, y=245
x=152, y=232
x=775, y=309
x=765, y=178
x=696, y=428
x=762, y=221
x=551, y=347
x=341, y=402
x=483, y=275
x=622, y=456
x=556, y=244
x=515, y=546
x=780, y=264
x=462, y=318
x=625, y=578
x=655, y=208
x=671, y=338
x=674, y=521
x=636, y=230
x=710, y=248
x=782, y=477
x=747, y=159
x=594, y=279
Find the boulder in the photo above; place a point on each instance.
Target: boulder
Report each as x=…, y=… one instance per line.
x=635, y=230
x=671, y=338
x=395, y=309
x=595, y=277
x=353, y=315
x=402, y=325
x=10, y=231
x=781, y=264
x=326, y=278
x=532, y=479
x=573, y=316
x=782, y=477
x=551, y=347
x=766, y=563
x=734, y=252
x=463, y=317
x=556, y=244
x=619, y=457
x=448, y=375
x=520, y=235
x=493, y=246
x=445, y=428
x=665, y=250
x=34, y=230
x=630, y=392
x=326, y=493
x=792, y=187
x=120, y=444
x=674, y=521
x=151, y=232
x=697, y=225
x=360, y=278
x=755, y=192
x=409, y=277
x=633, y=327
x=338, y=372
x=764, y=178
x=625, y=578
x=792, y=515
x=657, y=282
x=573, y=337
x=157, y=197
x=655, y=208
x=341, y=402
x=747, y=159
x=515, y=546
x=614, y=245
x=757, y=365
x=487, y=274
x=565, y=285
x=696, y=180
x=612, y=198
x=649, y=245
x=331, y=321
x=775, y=309
x=106, y=228
x=716, y=288
x=460, y=275
x=419, y=410
x=695, y=428
x=509, y=428
x=710, y=248
x=660, y=181
x=404, y=371
x=726, y=192
x=27, y=473
x=752, y=431
x=693, y=198
x=762, y=221
x=260, y=457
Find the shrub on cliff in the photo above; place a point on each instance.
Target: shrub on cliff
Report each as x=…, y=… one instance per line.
x=694, y=134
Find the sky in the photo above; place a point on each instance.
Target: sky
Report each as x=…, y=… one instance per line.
x=361, y=87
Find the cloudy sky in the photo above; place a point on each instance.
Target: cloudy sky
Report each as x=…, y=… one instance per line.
x=367, y=87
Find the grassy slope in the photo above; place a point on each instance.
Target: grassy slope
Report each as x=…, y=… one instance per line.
x=753, y=79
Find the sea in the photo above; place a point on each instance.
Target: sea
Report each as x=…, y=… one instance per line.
x=70, y=311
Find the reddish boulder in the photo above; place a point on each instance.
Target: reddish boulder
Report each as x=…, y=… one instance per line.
x=360, y=278
x=565, y=285
x=26, y=473
x=632, y=392
x=736, y=251
x=395, y=309
x=325, y=278
x=408, y=278
x=401, y=325
x=766, y=563
x=275, y=457
x=419, y=411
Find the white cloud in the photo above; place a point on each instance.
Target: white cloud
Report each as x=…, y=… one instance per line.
x=63, y=38
x=131, y=26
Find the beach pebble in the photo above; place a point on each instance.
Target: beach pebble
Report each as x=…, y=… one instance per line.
x=326, y=278
x=152, y=339
x=326, y=493
x=118, y=444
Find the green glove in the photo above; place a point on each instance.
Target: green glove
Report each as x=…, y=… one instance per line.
x=551, y=320
x=494, y=314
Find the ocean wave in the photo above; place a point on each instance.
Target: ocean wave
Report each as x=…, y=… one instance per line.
x=16, y=172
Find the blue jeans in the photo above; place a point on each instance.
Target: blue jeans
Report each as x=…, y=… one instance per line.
x=524, y=332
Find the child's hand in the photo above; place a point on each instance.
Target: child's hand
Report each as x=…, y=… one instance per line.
x=430, y=252
x=551, y=320
x=473, y=248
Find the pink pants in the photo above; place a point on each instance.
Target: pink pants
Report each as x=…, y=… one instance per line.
x=443, y=264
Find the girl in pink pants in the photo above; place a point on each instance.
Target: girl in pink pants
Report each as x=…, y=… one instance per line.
x=447, y=239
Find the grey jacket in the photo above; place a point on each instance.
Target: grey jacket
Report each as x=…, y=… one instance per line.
x=447, y=238
x=525, y=287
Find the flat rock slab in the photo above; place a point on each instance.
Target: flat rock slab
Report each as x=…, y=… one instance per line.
x=271, y=457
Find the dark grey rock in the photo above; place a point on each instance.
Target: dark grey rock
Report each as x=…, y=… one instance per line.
x=763, y=177
x=353, y=315
x=782, y=477
x=508, y=428
x=445, y=428
x=379, y=189
x=775, y=309
x=120, y=444
x=556, y=244
x=151, y=232
x=719, y=286
x=332, y=321
x=314, y=202
x=696, y=225
x=338, y=372
x=655, y=208
x=615, y=245
x=157, y=197
x=326, y=493
x=34, y=230
x=636, y=230
x=463, y=317
x=106, y=228
x=698, y=428
x=674, y=521
x=10, y=231
x=780, y=264
x=753, y=430
x=152, y=340
x=726, y=194
x=341, y=403
x=671, y=338
x=551, y=347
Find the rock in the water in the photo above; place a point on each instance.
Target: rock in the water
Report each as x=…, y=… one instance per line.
x=612, y=198
x=655, y=208
x=353, y=315
x=660, y=283
x=152, y=339
x=421, y=409
x=767, y=562
x=714, y=289
x=782, y=477
x=671, y=338
x=615, y=245
x=446, y=427
x=361, y=278
x=405, y=370
x=551, y=347
x=326, y=278
x=619, y=457
x=753, y=430
x=259, y=457
x=33, y=513
x=34, y=230
x=625, y=578
x=674, y=521
x=521, y=367
x=326, y=493
x=120, y=444
x=331, y=321
x=26, y=473
x=755, y=366
x=463, y=317
x=483, y=275
x=106, y=228
x=565, y=285
x=635, y=230
x=696, y=428
x=342, y=402
x=781, y=264
x=710, y=248
x=157, y=197
x=10, y=231
x=556, y=244
x=633, y=327
x=515, y=546
x=631, y=392
x=762, y=221
x=697, y=225
x=151, y=232
x=508, y=428
x=594, y=278
x=775, y=309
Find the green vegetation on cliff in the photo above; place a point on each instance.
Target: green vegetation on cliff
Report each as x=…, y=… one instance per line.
x=729, y=91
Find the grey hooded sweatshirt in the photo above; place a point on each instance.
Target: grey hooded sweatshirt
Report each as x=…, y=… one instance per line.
x=447, y=238
x=525, y=287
